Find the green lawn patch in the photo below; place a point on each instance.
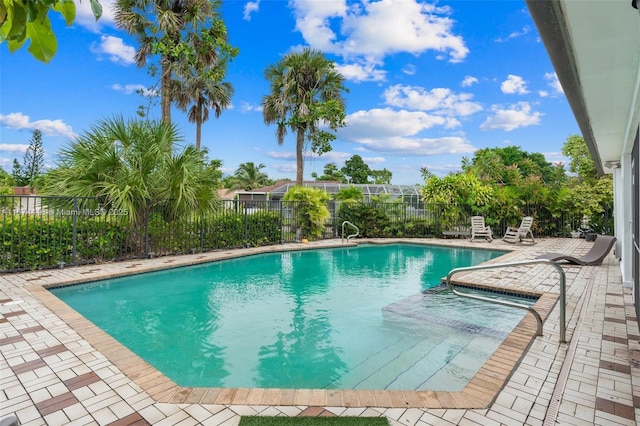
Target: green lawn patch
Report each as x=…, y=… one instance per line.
x=312, y=421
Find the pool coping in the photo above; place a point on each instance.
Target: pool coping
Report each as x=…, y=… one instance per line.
x=480, y=392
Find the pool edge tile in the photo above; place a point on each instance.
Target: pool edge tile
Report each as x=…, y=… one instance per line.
x=490, y=378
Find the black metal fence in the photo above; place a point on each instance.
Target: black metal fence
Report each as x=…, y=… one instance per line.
x=38, y=232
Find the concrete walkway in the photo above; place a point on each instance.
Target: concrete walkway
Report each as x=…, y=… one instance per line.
x=58, y=369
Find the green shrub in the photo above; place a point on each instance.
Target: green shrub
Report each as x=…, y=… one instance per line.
x=311, y=210
x=40, y=241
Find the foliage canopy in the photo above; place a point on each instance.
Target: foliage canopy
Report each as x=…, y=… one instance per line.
x=131, y=165
x=22, y=21
x=305, y=91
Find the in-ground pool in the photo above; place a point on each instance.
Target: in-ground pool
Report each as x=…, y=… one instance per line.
x=371, y=317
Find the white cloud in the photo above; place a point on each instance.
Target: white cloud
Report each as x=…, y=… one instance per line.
x=337, y=157
x=543, y=93
x=518, y=115
x=249, y=8
x=361, y=71
x=129, y=89
x=468, y=81
x=6, y=163
x=553, y=82
x=410, y=69
x=291, y=156
x=418, y=146
x=330, y=157
x=384, y=27
x=525, y=30
x=14, y=147
x=514, y=84
x=384, y=123
x=371, y=30
x=285, y=167
x=439, y=100
x=19, y=121
x=86, y=19
x=313, y=21
x=248, y=107
x=394, y=133
x=373, y=160
x=115, y=49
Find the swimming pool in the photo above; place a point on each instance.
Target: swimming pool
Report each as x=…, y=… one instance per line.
x=330, y=318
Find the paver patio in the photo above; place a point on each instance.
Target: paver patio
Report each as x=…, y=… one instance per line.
x=57, y=368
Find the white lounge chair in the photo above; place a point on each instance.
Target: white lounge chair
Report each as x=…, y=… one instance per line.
x=516, y=235
x=479, y=230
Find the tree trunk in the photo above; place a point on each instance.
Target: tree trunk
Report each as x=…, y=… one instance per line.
x=165, y=92
x=299, y=157
x=198, y=125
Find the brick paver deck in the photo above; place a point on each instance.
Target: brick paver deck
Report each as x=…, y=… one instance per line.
x=57, y=368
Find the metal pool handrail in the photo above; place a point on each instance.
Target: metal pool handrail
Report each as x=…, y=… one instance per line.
x=563, y=326
x=346, y=222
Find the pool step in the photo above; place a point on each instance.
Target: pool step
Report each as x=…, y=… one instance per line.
x=411, y=364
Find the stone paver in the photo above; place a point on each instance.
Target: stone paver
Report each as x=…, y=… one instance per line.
x=57, y=368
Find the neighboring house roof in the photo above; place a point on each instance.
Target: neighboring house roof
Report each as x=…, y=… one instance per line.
x=23, y=190
x=225, y=194
x=267, y=189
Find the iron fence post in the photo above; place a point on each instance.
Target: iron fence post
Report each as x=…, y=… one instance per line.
x=75, y=230
x=146, y=232
x=246, y=236
x=281, y=222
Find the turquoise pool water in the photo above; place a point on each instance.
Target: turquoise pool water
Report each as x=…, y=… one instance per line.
x=348, y=318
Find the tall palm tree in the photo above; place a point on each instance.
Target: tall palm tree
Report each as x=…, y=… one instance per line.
x=305, y=90
x=163, y=26
x=132, y=166
x=201, y=88
x=249, y=176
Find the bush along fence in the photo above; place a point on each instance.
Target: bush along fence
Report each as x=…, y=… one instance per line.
x=39, y=232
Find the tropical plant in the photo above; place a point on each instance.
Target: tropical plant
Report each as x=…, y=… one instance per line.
x=589, y=193
x=33, y=162
x=330, y=173
x=131, y=166
x=6, y=188
x=199, y=81
x=381, y=177
x=458, y=194
x=356, y=170
x=202, y=87
x=311, y=210
x=180, y=31
x=249, y=176
x=500, y=165
x=350, y=195
x=21, y=21
x=306, y=90
x=17, y=172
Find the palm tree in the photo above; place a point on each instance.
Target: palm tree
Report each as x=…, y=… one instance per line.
x=132, y=166
x=305, y=90
x=248, y=176
x=202, y=87
x=163, y=27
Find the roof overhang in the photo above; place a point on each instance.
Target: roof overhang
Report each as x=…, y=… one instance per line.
x=594, y=47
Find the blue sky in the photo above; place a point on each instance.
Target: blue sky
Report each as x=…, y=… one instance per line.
x=428, y=84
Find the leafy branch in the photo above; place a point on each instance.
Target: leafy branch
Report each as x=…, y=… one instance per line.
x=21, y=21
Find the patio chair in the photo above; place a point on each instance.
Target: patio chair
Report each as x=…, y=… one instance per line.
x=517, y=235
x=479, y=230
x=594, y=256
